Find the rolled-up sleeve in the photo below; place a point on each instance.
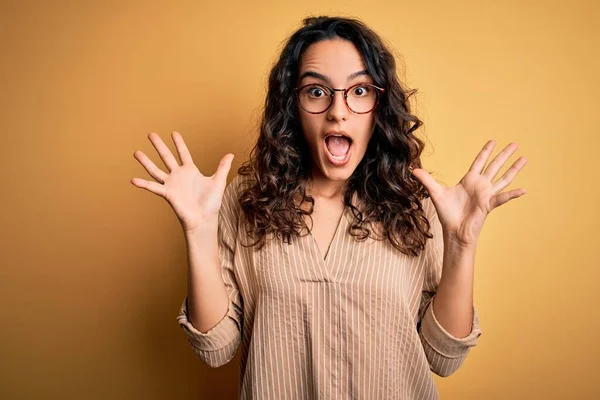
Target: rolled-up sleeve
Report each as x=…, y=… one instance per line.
x=445, y=353
x=218, y=345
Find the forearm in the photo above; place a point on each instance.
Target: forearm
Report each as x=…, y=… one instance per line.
x=453, y=302
x=207, y=297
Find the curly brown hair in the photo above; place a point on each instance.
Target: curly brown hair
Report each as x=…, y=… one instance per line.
x=280, y=163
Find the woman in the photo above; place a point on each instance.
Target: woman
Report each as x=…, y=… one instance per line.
x=315, y=257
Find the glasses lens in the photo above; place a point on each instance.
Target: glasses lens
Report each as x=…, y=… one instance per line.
x=314, y=98
x=362, y=98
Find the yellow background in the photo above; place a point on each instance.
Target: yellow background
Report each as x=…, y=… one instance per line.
x=94, y=269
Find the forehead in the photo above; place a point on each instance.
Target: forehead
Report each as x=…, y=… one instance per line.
x=336, y=58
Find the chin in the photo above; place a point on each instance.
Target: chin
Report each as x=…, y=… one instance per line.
x=337, y=173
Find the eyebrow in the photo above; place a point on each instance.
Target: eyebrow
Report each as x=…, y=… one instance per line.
x=327, y=79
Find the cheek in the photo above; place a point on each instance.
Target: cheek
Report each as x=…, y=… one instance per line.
x=311, y=126
x=367, y=127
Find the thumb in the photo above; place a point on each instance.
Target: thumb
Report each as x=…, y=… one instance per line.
x=224, y=167
x=426, y=179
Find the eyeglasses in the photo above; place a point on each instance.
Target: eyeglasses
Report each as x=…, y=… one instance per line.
x=361, y=98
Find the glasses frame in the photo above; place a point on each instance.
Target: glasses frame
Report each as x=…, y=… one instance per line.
x=332, y=95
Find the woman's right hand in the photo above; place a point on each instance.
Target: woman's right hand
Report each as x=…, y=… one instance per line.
x=195, y=198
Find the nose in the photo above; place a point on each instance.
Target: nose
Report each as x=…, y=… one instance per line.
x=338, y=110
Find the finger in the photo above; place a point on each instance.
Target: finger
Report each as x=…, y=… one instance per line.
x=163, y=151
x=505, y=197
x=482, y=157
x=509, y=175
x=150, y=186
x=492, y=170
x=224, y=167
x=152, y=169
x=182, y=149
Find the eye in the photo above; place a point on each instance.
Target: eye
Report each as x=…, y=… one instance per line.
x=316, y=91
x=361, y=91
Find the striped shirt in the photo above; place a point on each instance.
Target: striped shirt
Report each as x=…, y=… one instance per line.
x=357, y=324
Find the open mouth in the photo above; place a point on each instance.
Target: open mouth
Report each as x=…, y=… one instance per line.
x=338, y=147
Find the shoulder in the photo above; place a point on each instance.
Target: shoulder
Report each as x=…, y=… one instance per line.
x=234, y=190
x=231, y=208
x=237, y=186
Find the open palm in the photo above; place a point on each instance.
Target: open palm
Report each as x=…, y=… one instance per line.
x=195, y=198
x=462, y=209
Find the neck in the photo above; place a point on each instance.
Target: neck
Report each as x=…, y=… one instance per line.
x=322, y=187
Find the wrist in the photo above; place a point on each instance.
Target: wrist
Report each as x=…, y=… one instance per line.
x=454, y=241
x=206, y=227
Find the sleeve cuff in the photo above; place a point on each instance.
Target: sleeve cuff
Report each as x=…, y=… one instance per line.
x=442, y=341
x=219, y=336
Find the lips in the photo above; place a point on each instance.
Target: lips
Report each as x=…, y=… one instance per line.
x=338, y=133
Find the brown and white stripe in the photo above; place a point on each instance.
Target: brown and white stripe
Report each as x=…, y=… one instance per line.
x=358, y=324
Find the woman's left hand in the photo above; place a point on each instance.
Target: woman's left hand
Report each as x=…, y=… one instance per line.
x=462, y=209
